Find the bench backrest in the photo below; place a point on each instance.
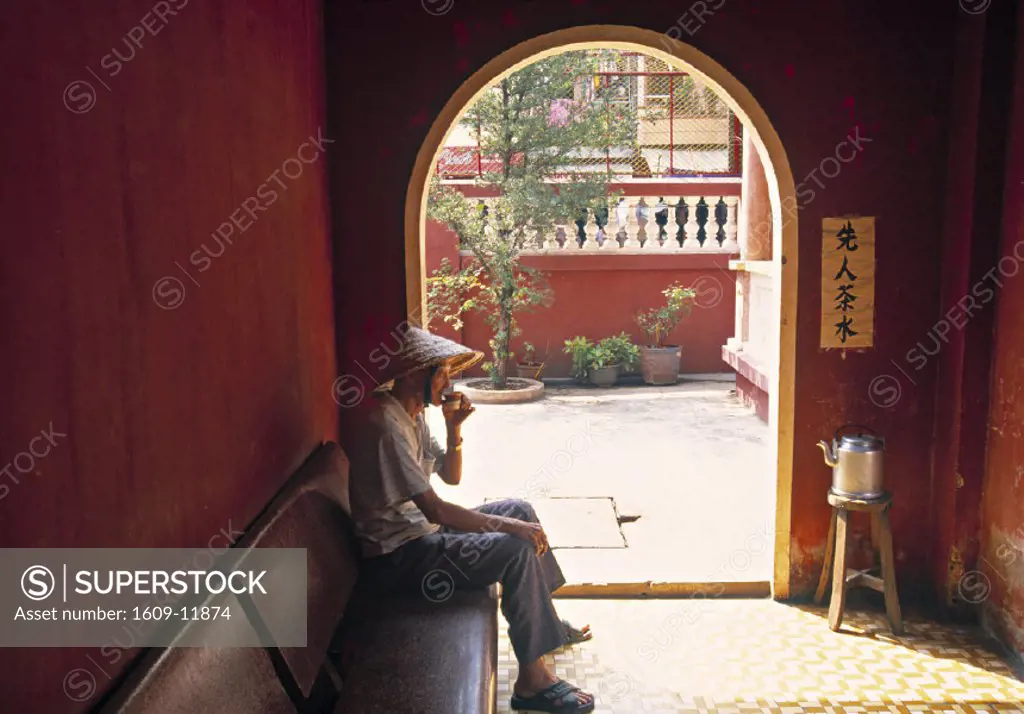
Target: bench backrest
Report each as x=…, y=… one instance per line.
x=310, y=512
x=186, y=680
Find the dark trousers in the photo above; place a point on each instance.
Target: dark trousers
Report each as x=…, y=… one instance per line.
x=435, y=563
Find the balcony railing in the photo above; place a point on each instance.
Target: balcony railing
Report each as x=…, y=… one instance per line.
x=646, y=224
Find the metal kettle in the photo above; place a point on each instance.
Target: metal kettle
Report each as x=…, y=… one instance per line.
x=857, y=462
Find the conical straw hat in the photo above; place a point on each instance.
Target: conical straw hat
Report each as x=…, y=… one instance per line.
x=421, y=349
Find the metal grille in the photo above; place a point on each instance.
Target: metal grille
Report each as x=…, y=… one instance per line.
x=683, y=128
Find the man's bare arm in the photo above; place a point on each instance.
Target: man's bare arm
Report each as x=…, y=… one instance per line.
x=450, y=515
x=451, y=470
x=455, y=412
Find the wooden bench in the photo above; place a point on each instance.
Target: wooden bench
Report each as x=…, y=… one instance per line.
x=364, y=654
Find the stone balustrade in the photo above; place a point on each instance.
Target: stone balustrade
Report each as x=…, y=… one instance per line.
x=647, y=224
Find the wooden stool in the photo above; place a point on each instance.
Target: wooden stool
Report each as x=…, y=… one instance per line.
x=835, y=547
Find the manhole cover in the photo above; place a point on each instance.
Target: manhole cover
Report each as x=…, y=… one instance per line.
x=580, y=522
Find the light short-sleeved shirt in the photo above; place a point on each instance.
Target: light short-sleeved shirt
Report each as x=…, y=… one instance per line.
x=395, y=463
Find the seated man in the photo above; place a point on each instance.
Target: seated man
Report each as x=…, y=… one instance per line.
x=407, y=532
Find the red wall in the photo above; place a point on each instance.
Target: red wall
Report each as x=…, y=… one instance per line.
x=597, y=296
x=976, y=365
x=1002, y=512
x=180, y=423
x=816, y=74
x=957, y=280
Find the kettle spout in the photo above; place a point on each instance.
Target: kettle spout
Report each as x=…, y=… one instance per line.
x=830, y=458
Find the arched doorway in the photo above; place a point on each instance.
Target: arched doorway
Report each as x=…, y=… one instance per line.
x=780, y=183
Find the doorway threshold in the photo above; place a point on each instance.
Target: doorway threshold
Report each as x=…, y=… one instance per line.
x=649, y=572
x=665, y=590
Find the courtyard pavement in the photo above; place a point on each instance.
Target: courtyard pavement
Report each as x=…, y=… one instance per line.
x=686, y=469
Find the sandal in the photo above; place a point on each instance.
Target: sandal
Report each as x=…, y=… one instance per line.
x=559, y=698
x=575, y=636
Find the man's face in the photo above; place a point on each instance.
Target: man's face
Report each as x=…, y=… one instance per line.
x=441, y=380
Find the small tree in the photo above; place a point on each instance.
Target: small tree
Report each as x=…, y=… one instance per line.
x=538, y=123
x=451, y=293
x=658, y=322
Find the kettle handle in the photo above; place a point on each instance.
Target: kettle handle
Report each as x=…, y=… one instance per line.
x=860, y=427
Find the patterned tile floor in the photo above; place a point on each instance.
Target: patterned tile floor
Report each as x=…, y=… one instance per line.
x=738, y=656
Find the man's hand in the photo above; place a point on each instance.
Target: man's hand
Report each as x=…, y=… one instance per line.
x=456, y=409
x=532, y=532
x=462, y=519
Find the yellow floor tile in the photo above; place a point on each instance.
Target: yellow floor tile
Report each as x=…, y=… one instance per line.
x=746, y=656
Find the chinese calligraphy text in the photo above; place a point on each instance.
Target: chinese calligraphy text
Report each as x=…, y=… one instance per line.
x=847, y=282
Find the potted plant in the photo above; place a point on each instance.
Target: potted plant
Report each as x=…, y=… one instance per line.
x=624, y=352
x=602, y=367
x=659, y=362
x=579, y=348
x=529, y=367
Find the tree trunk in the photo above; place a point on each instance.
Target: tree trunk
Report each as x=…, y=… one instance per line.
x=502, y=339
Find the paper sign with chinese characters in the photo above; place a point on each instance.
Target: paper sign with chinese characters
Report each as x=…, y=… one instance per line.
x=848, y=282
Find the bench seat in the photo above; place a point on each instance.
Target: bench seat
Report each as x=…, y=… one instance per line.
x=408, y=654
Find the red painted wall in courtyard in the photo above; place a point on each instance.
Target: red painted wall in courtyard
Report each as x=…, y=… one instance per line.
x=180, y=423
x=818, y=75
x=597, y=296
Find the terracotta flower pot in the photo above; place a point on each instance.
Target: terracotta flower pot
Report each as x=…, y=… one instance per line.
x=528, y=371
x=604, y=376
x=660, y=365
